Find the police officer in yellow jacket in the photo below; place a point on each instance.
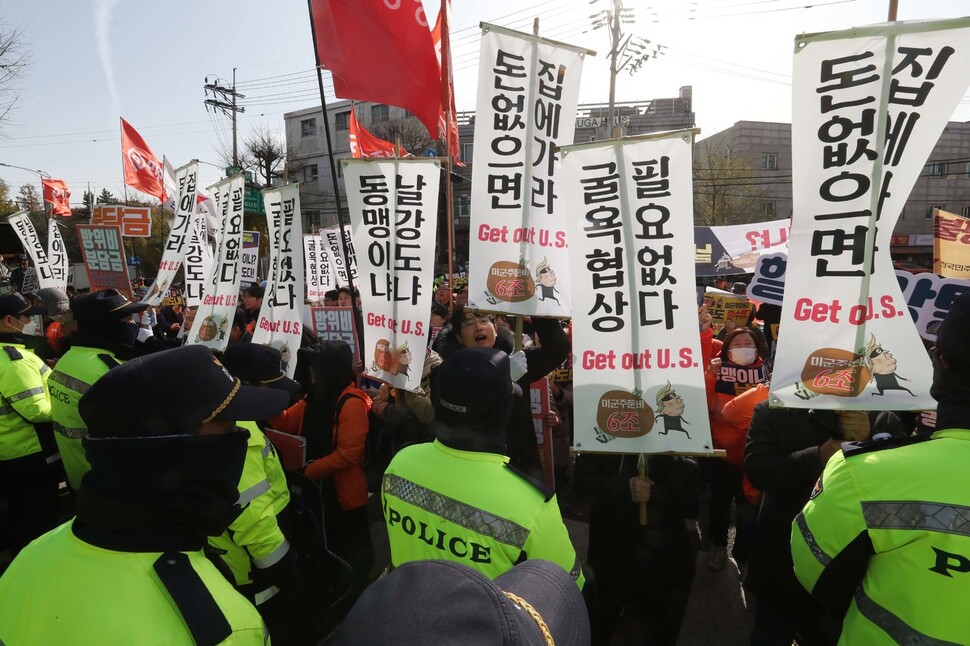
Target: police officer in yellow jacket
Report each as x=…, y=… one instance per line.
x=886, y=533
x=29, y=472
x=165, y=457
x=458, y=498
x=106, y=333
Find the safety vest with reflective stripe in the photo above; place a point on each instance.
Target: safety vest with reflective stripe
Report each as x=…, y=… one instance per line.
x=905, y=509
x=469, y=507
x=255, y=538
x=75, y=372
x=23, y=400
x=62, y=590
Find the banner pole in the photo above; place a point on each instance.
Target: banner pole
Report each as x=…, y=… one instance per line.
x=642, y=472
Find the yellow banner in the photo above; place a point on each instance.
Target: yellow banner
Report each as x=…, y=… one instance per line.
x=951, y=244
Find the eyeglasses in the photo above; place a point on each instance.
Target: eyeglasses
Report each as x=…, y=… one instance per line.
x=474, y=320
x=668, y=396
x=876, y=351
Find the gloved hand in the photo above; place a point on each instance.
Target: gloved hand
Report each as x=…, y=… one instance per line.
x=517, y=365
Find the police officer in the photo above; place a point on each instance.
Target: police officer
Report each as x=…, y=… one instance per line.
x=106, y=334
x=165, y=457
x=29, y=472
x=886, y=532
x=458, y=498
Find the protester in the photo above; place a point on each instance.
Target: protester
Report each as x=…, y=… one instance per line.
x=437, y=602
x=494, y=516
x=443, y=296
x=239, y=333
x=164, y=472
x=105, y=338
x=330, y=298
x=883, y=535
x=29, y=471
x=468, y=329
x=170, y=320
x=345, y=297
x=17, y=275
x=60, y=324
x=439, y=314
x=252, y=301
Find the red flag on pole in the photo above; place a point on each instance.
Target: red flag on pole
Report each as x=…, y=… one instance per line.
x=380, y=51
x=364, y=144
x=143, y=171
x=448, y=117
x=55, y=192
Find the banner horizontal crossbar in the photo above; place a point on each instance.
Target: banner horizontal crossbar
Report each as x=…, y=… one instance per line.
x=486, y=27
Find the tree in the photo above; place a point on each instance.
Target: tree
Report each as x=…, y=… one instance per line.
x=13, y=63
x=89, y=201
x=107, y=197
x=267, y=151
x=28, y=200
x=7, y=205
x=410, y=132
x=724, y=191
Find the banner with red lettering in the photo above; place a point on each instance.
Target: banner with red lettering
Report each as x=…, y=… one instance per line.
x=280, y=322
x=363, y=144
x=734, y=249
x=57, y=254
x=24, y=228
x=220, y=295
x=335, y=324
x=143, y=171
x=187, y=178
x=539, y=405
x=638, y=386
x=393, y=208
x=103, y=251
x=868, y=106
x=528, y=89
x=951, y=244
x=311, y=251
x=58, y=196
x=380, y=51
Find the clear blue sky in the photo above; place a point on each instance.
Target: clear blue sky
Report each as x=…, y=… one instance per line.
x=96, y=60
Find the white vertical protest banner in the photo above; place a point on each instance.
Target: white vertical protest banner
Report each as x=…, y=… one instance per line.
x=25, y=230
x=280, y=318
x=57, y=254
x=394, y=216
x=220, y=296
x=334, y=245
x=528, y=88
x=198, y=260
x=187, y=180
x=328, y=273
x=869, y=104
x=311, y=251
x=641, y=387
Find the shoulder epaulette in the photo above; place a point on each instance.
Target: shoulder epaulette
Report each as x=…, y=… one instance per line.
x=546, y=491
x=109, y=361
x=852, y=449
x=13, y=353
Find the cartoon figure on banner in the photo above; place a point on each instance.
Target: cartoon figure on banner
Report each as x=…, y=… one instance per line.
x=882, y=363
x=212, y=325
x=546, y=281
x=157, y=288
x=383, y=358
x=670, y=410
x=403, y=360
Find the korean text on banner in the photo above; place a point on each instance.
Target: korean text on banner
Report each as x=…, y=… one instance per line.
x=734, y=249
x=214, y=319
x=187, y=178
x=25, y=230
x=250, y=257
x=393, y=212
x=527, y=94
x=334, y=246
x=280, y=325
x=539, y=406
x=311, y=252
x=951, y=245
x=868, y=106
x=638, y=386
x=103, y=251
x=57, y=254
x=198, y=260
x=335, y=324
x=135, y=221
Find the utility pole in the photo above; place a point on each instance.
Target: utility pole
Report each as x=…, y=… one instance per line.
x=614, y=16
x=224, y=99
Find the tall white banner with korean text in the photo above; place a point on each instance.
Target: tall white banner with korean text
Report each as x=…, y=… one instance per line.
x=187, y=180
x=280, y=318
x=57, y=254
x=333, y=244
x=394, y=217
x=638, y=383
x=25, y=230
x=312, y=245
x=220, y=295
x=527, y=94
x=868, y=106
x=198, y=259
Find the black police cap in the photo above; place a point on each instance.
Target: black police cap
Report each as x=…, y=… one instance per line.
x=106, y=304
x=258, y=365
x=15, y=305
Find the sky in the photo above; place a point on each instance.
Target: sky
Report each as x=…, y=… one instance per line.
x=94, y=61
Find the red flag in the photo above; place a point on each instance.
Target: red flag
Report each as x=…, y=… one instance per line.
x=365, y=144
x=380, y=51
x=447, y=121
x=55, y=192
x=143, y=171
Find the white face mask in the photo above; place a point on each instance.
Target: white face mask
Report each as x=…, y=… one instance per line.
x=30, y=328
x=743, y=356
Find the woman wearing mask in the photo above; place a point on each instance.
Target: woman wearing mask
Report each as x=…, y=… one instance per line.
x=739, y=366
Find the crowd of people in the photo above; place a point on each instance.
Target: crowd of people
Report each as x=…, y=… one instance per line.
x=151, y=493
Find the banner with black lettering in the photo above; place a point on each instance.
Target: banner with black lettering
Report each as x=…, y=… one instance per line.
x=198, y=260
x=638, y=385
x=334, y=245
x=220, y=296
x=187, y=179
x=25, y=230
x=528, y=88
x=734, y=249
x=250, y=257
x=951, y=244
x=869, y=105
x=103, y=251
x=394, y=218
x=57, y=254
x=280, y=322
x=311, y=250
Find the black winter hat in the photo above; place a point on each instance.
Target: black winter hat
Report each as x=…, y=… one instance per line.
x=473, y=386
x=258, y=365
x=952, y=336
x=104, y=305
